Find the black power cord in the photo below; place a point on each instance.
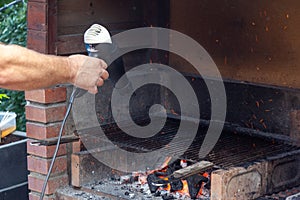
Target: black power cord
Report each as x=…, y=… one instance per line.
x=71, y=100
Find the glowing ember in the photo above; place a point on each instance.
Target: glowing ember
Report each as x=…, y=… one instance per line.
x=163, y=182
x=142, y=177
x=183, y=163
x=185, y=189
x=203, y=191
x=165, y=164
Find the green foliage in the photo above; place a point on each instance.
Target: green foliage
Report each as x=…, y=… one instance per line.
x=13, y=30
x=3, y=2
x=13, y=25
x=2, y=96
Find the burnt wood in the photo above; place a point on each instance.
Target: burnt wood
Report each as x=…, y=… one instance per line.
x=193, y=169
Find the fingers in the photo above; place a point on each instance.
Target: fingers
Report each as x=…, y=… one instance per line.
x=100, y=82
x=104, y=75
x=93, y=90
x=89, y=72
x=103, y=64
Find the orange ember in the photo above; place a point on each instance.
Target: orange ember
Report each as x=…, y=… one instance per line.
x=200, y=193
x=206, y=175
x=165, y=164
x=168, y=187
x=185, y=189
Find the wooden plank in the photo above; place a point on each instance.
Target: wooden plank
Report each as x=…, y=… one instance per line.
x=81, y=13
x=112, y=27
x=69, y=44
x=193, y=169
x=73, y=43
x=52, y=26
x=184, y=173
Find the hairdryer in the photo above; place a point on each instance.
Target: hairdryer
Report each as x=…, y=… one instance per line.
x=99, y=44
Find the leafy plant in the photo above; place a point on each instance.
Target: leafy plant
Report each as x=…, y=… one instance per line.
x=13, y=26
x=13, y=30
x=2, y=96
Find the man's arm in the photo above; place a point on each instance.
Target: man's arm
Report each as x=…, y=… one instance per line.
x=24, y=69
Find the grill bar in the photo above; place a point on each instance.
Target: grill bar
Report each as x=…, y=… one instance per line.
x=232, y=149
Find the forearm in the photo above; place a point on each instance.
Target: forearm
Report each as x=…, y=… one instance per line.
x=23, y=69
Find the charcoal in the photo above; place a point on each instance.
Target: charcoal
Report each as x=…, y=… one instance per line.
x=170, y=171
x=157, y=194
x=207, y=184
x=168, y=197
x=161, y=173
x=150, y=179
x=175, y=184
x=115, y=178
x=135, y=178
x=173, y=167
x=100, y=183
x=128, y=179
x=194, y=184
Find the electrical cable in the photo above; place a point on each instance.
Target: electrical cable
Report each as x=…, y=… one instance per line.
x=71, y=100
x=96, y=34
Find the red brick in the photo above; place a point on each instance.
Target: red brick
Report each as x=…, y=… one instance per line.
x=37, y=40
x=42, y=131
x=53, y=95
x=239, y=182
x=41, y=165
x=45, y=151
x=37, y=16
x=45, y=114
x=36, y=181
x=36, y=196
x=76, y=146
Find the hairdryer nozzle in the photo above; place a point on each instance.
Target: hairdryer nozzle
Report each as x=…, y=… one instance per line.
x=97, y=34
x=99, y=44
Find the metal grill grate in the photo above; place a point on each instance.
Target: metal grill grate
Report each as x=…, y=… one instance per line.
x=232, y=149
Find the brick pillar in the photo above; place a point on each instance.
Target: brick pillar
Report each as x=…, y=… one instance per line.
x=47, y=107
x=44, y=115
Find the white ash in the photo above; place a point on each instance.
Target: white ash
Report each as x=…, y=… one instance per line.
x=135, y=190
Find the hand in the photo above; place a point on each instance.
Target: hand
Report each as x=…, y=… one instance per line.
x=87, y=72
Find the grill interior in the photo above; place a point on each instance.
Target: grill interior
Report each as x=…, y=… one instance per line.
x=232, y=148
